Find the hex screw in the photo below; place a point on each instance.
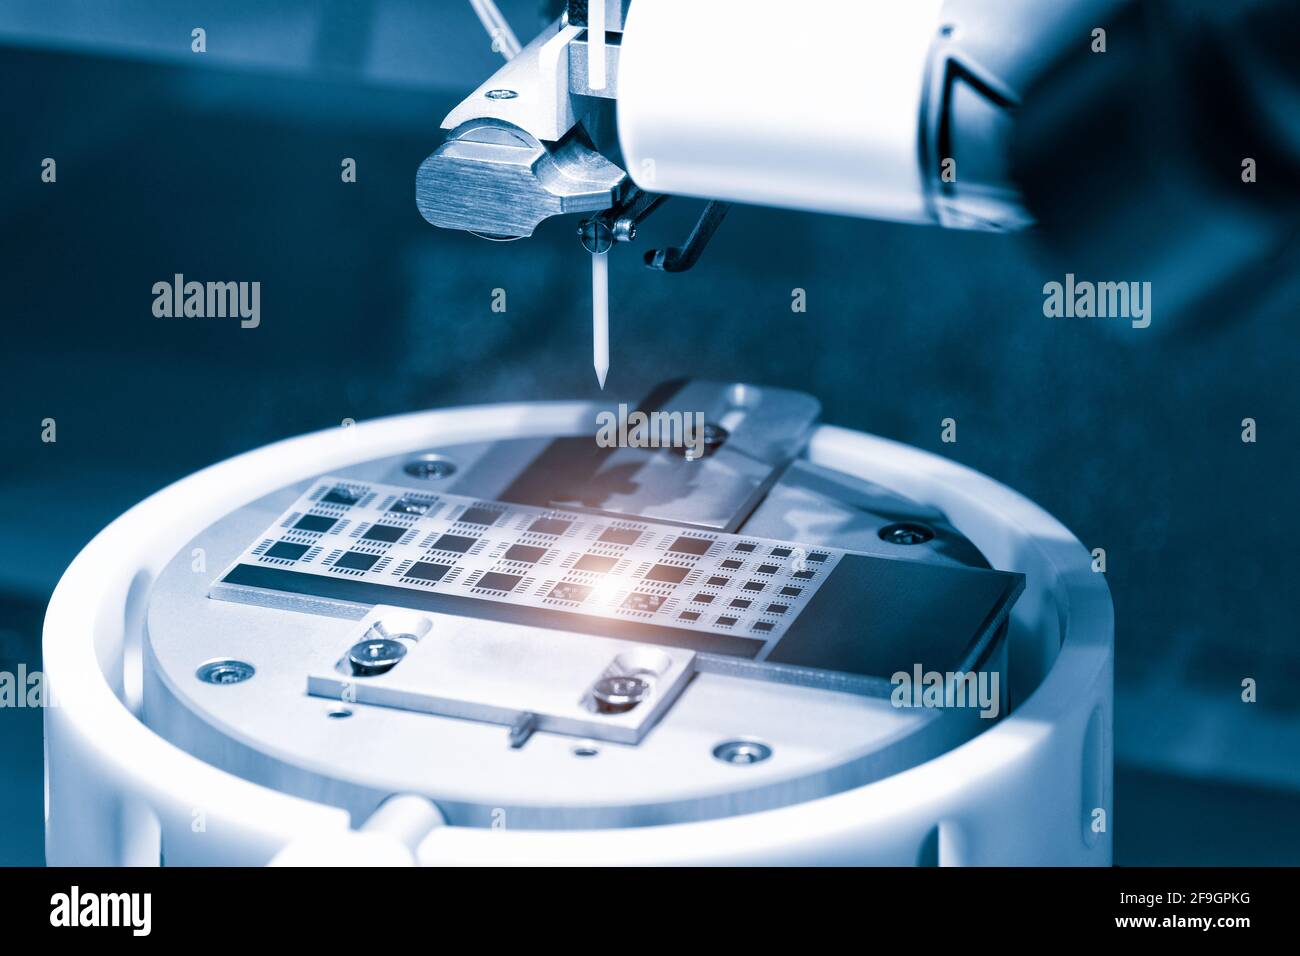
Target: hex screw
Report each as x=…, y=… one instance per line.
x=225, y=672
x=377, y=656
x=906, y=532
x=742, y=752
x=617, y=695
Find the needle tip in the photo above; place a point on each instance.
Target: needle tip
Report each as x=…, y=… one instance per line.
x=601, y=373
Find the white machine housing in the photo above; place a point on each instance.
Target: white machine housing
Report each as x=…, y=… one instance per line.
x=1036, y=787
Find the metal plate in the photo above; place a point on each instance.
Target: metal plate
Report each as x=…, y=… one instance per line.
x=500, y=673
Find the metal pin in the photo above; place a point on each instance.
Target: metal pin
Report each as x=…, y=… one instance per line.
x=523, y=727
x=600, y=316
x=596, y=45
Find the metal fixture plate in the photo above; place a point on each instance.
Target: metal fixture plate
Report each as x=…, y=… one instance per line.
x=539, y=75
x=766, y=430
x=462, y=667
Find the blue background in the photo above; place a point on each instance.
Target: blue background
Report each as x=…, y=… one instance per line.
x=226, y=166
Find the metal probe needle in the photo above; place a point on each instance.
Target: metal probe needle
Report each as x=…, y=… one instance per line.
x=600, y=316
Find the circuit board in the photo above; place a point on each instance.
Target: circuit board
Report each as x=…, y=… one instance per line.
x=347, y=543
x=417, y=543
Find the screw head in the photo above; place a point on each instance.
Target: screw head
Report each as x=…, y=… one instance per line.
x=225, y=672
x=742, y=752
x=376, y=656
x=624, y=230
x=501, y=94
x=596, y=236
x=906, y=532
x=617, y=695
x=430, y=469
x=712, y=437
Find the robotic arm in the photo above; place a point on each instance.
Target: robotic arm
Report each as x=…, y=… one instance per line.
x=1120, y=127
x=826, y=105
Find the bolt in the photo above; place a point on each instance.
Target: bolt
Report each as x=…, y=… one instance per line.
x=430, y=469
x=596, y=236
x=711, y=438
x=906, y=533
x=225, y=672
x=374, y=657
x=617, y=695
x=501, y=94
x=742, y=751
x=714, y=435
x=624, y=230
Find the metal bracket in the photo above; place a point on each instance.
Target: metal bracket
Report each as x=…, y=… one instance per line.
x=679, y=259
x=619, y=224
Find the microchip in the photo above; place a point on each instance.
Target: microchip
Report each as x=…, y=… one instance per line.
x=620, y=535
x=703, y=598
x=744, y=546
x=315, y=523
x=286, y=549
x=689, y=616
x=740, y=603
x=767, y=569
x=667, y=573
x=791, y=592
x=803, y=575
x=383, y=532
x=568, y=591
x=781, y=552
x=357, y=561
x=636, y=601
x=427, y=571
x=755, y=585
x=689, y=545
x=732, y=565
x=718, y=581
x=409, y=506
x=456, y=543
x=549, y=526
x=726, y=621
x=776, y=609
x=594, y=562
x=524, y=553
x=496, y=581
x=338, y=495
x=477, y=514
x=818, y=556
x=763, y=626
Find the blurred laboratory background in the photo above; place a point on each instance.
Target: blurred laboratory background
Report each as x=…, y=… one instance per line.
x=226, y=166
